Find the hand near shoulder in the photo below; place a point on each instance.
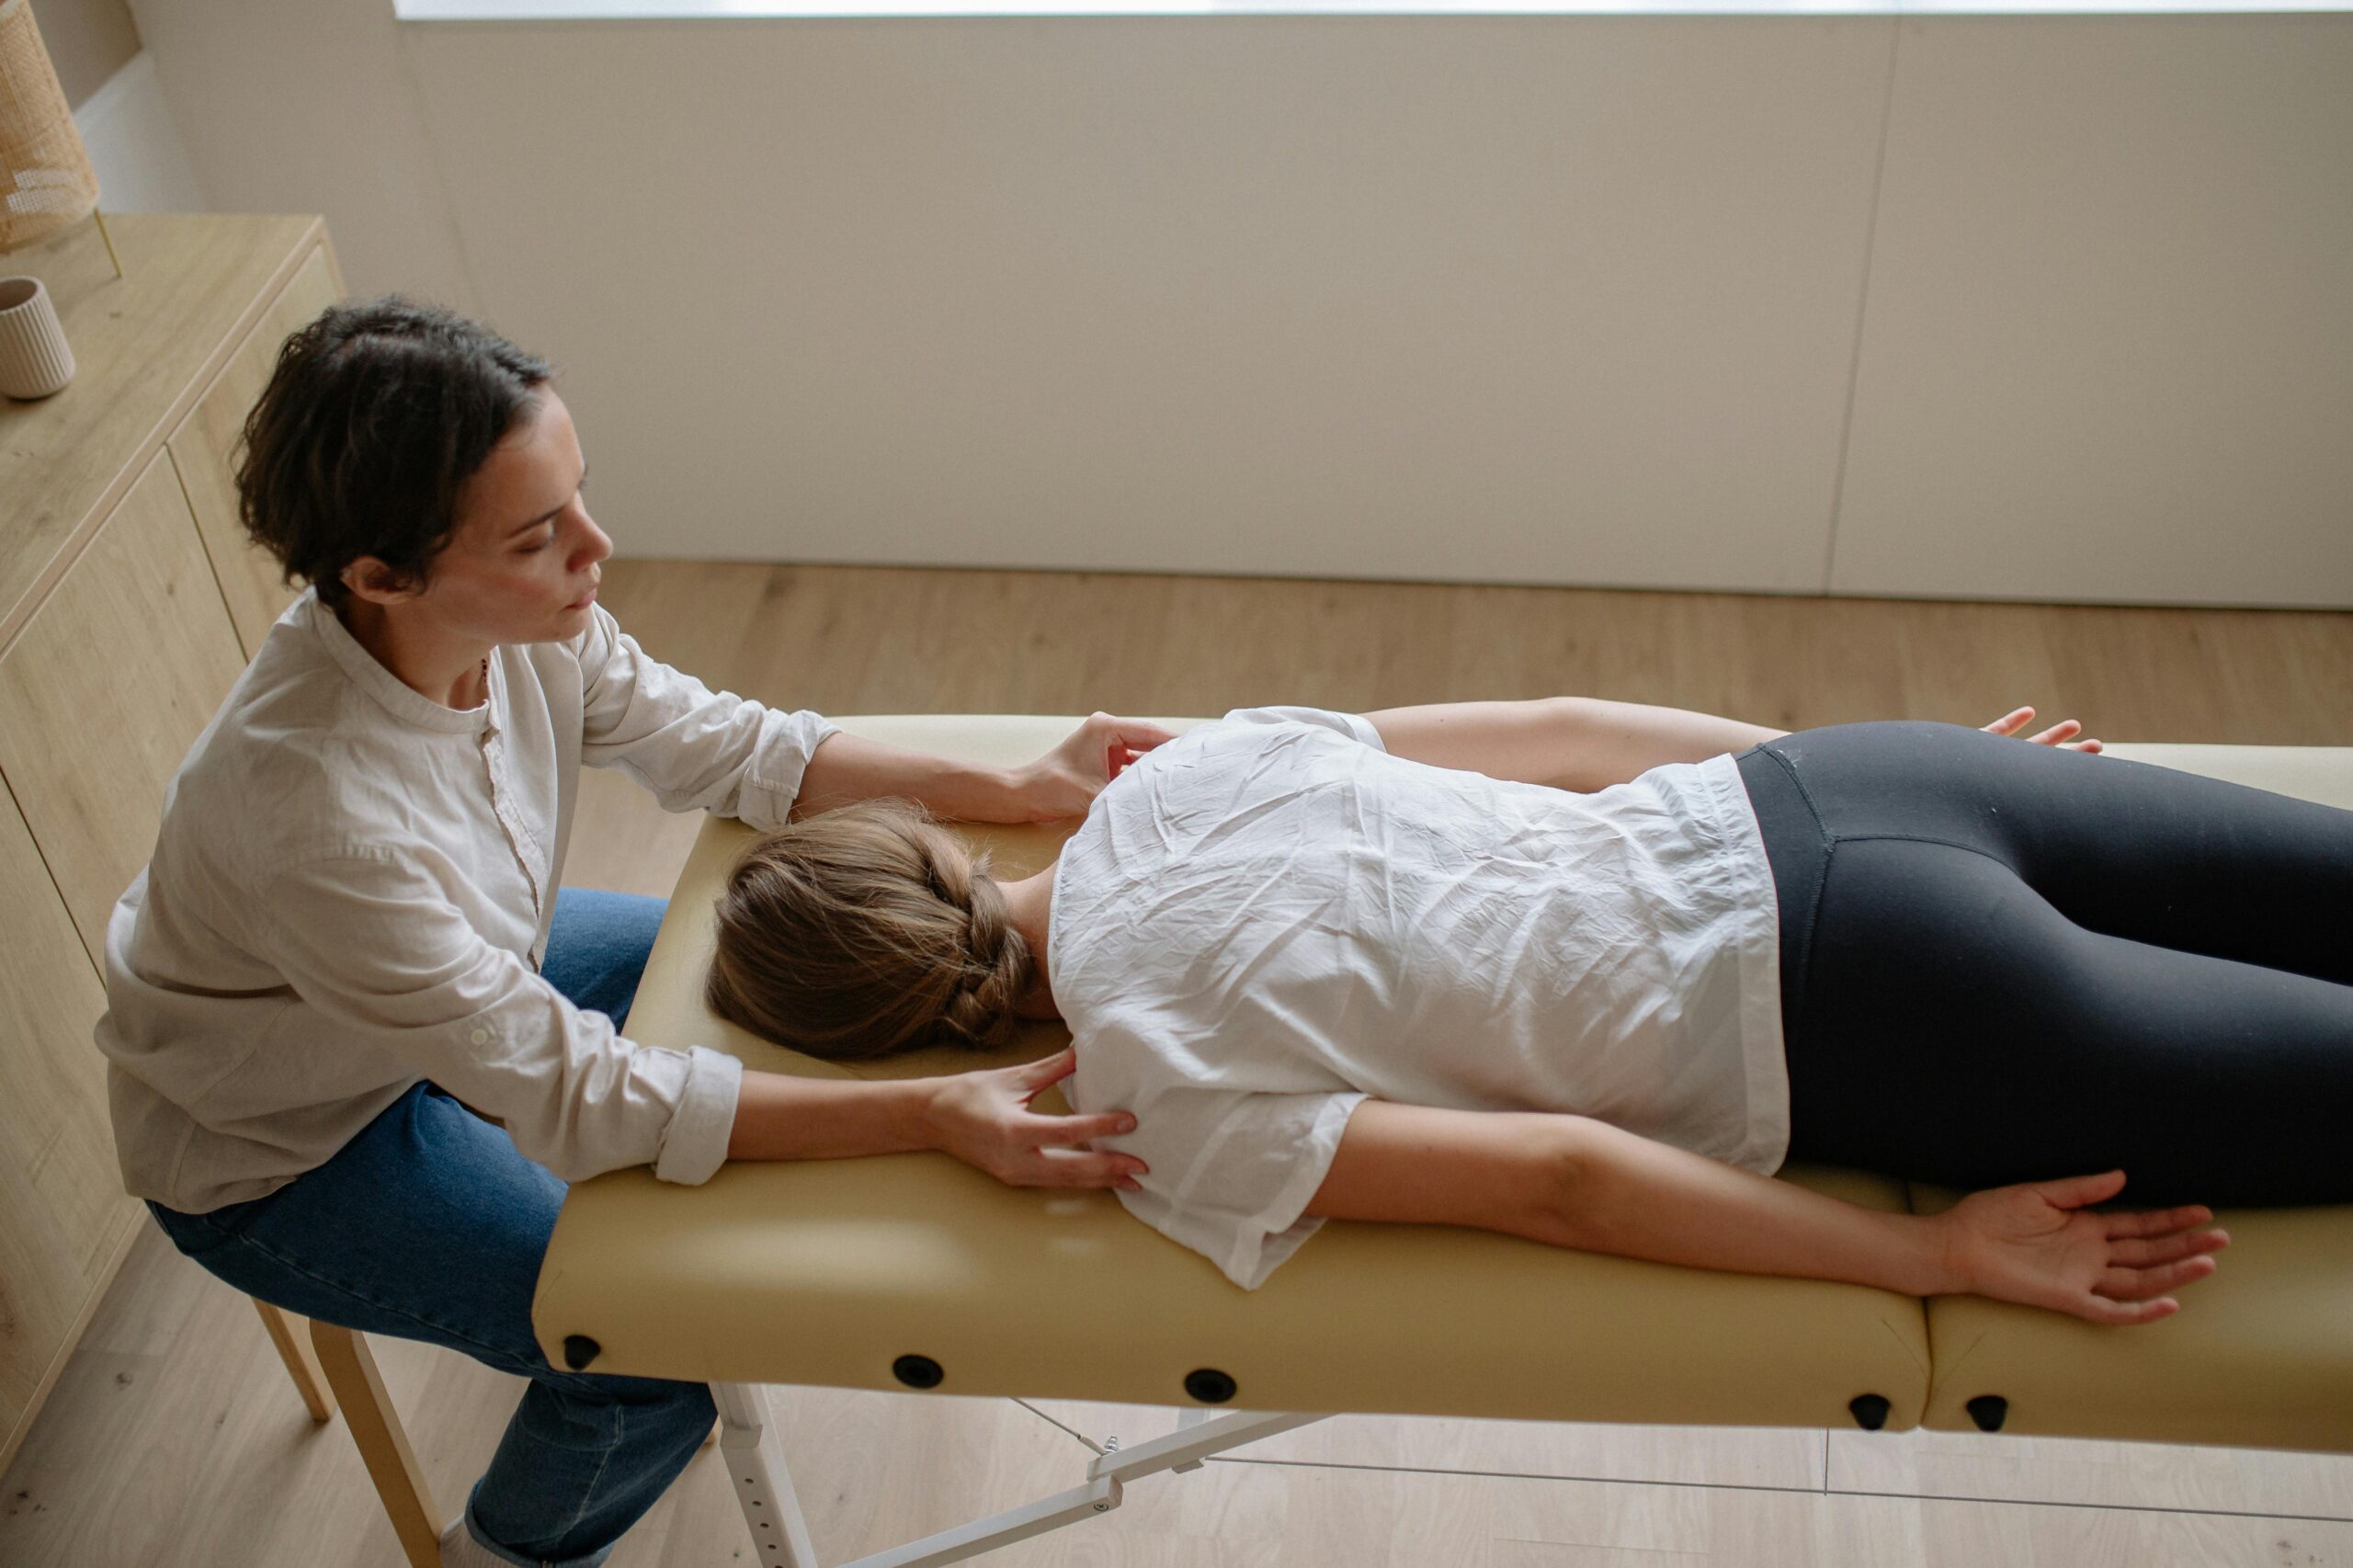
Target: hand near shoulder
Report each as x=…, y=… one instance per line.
x=1064, y=781
x=2037, y=1243
x=983, y=1118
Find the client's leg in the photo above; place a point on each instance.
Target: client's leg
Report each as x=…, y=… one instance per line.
x=1955, y=1027
x=2120, y=847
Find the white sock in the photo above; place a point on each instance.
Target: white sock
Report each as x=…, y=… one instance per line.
x=460, y=1550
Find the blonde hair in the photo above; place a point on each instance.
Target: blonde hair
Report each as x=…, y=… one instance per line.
x=864, y=932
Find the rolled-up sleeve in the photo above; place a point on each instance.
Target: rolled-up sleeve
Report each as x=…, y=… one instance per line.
x=695, y=748
x=371, y=943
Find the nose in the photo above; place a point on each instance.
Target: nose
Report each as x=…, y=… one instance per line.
x=594, y=543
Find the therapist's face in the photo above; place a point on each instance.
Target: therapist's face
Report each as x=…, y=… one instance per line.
x=523, y=564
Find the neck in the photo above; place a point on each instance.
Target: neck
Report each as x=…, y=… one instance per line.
x=1029, y=903
x=433, y=664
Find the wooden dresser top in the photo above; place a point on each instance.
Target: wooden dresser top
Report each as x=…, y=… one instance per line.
x=145, y=348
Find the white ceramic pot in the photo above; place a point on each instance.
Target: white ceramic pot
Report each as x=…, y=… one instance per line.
x=34, y=361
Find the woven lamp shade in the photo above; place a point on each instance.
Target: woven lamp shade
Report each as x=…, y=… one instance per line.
x=46, y=181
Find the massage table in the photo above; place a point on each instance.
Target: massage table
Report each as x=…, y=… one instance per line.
x=914, y=1272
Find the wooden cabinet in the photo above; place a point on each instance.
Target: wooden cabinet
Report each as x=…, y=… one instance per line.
x=204, y=450
x=104, y=690
x=128, y=603
x=62, y=1209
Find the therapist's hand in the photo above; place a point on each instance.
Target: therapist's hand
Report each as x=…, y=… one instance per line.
x=983, y=1118
x=1064, y=781
x=2062, y=734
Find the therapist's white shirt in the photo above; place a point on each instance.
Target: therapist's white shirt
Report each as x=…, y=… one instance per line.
x=1270, y=918
x=351, y=892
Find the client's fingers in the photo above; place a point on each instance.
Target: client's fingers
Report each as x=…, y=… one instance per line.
x=2168, y=1249
x=2078, y=1192
x=2156, y=1221
x=2100, y=1309
x=2140, y=1284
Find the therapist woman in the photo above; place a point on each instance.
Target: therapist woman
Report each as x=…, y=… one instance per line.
x=358, y=1040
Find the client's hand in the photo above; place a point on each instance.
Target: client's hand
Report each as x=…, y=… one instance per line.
x=983, y=1118
x=2062, y=733
x=2037, y=1244
x=1066, y=780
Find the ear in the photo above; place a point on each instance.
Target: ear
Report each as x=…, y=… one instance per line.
x=370, y=579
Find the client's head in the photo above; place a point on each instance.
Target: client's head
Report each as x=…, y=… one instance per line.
x=864, y=932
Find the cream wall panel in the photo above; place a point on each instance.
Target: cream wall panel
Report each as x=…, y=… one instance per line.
x=305, y=105
x=1517, y=298
x=61, y=1204
x=87, y=41
x=204, y=449
x=136, y=146
x=2107, y=353
x=106, y=689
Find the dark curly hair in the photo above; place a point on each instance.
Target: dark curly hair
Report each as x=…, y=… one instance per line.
x=376, y=415
x=864, y=932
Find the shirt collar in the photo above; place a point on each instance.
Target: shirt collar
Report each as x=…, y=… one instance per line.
x=407, y=705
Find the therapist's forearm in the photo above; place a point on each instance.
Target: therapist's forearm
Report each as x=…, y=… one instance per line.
x=783, y=1118
x=848, y=767
x=1635, y=1198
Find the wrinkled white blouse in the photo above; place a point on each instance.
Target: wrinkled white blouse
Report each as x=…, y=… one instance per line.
x=1269, y=918
x=351, y=892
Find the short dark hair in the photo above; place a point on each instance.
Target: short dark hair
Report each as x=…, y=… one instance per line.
x=377, y=414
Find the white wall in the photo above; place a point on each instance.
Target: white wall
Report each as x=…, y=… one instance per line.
x=136, y=147
x=2019, y=307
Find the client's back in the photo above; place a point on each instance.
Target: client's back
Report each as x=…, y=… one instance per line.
x=1268, y=918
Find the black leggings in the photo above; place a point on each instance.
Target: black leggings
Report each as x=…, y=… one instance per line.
x=2005, y=962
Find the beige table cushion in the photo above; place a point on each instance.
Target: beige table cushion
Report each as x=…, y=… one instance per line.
x=827, y=1272
x=2260, y=1356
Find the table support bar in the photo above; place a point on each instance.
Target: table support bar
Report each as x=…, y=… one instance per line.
x=764, y=1485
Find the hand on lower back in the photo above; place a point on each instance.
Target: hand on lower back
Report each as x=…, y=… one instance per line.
x=2038, y=1244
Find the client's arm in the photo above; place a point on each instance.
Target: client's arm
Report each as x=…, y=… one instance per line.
x=1571, y=1181
x=1570, y=742
x=1589, y=743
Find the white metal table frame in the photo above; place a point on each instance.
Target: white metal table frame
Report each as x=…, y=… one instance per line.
x=755, y=1454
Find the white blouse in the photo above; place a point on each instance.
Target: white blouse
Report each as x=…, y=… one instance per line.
x=351, y=892
x=1270, y=918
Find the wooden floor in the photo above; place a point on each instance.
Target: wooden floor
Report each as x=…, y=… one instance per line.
x=174, y=1439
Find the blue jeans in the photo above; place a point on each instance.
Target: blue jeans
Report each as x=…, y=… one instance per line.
x=429, y=1225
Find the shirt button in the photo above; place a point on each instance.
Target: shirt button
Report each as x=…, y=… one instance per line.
x=481, y=1036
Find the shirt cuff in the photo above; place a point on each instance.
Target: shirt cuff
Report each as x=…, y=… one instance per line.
x=765, y=801
x=695, y=1143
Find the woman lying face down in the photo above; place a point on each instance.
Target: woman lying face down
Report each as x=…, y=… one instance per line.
x=1570, y=970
